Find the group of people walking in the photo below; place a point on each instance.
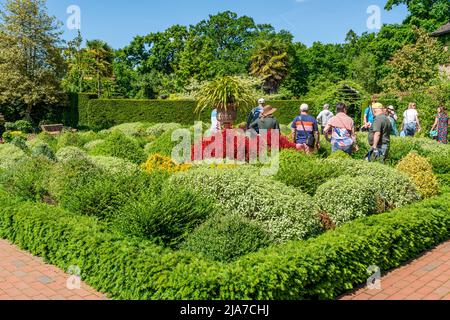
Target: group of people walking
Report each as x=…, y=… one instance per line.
x=379, y=121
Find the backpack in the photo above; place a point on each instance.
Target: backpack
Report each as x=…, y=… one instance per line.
x=253, y=116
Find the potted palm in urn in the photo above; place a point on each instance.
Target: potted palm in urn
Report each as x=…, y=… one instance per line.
x=228, y=95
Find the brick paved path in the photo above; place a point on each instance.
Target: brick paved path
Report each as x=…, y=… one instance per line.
x=25, y=277
x=427, y=278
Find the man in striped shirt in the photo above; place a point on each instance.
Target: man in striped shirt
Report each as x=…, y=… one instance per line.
x=304, y=127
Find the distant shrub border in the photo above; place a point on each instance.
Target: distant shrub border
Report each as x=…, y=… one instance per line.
x=320, y=268
x=85, y=110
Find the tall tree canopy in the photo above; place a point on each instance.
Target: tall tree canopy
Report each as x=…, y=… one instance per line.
x=31, y=62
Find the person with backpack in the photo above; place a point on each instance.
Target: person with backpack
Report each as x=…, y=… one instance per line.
x=255, y=114
x=393, y=118
x=379, y=135
x=342, y=128
x=305, y=131
x=411, y=122
x=368, y=115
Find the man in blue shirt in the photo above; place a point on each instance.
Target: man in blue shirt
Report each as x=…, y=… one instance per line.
x=305, y=131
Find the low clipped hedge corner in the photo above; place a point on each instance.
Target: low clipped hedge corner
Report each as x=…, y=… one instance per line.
x=320, y=268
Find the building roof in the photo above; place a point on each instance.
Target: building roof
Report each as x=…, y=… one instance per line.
x=445, y=29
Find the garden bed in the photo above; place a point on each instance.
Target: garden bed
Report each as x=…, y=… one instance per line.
x=140, y=226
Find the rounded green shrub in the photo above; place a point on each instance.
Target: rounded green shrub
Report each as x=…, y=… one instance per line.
x=395, y=187
x=75, y=139
x=226, y=238
x=286, y=213
x=347, y=198
x=24, y=126
x=70, y=153
x=120, y=146
x=43, y=150
x=21, y=143
x=131, y=129
x=159, y=129
x=421, y=173
x=339, y=155
x=166, y=217
x=303, y=171
x=10, y=155
x=93, y=144
x=113, y=165
x=25, y=179
x=163, y=145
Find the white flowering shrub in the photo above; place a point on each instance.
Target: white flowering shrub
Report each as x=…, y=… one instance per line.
x=285, y=213
x=130, y=129
x=70, y=153
x=10, y=155
x=347, y=198
x=395, y=187
x=91, y=145
x=114, y=165
x=161, y=128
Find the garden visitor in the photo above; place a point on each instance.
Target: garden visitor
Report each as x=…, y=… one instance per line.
x=266, y=121
x=255, y=114
x=368, y=115
x=324, y=116
x=305, y=131
x=441, y=125
x=215, y=124
x=379, y=135
x=342, y=129
x=393, y=118
x=411, y=122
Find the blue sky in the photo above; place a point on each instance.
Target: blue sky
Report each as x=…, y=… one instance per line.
x=118, y=21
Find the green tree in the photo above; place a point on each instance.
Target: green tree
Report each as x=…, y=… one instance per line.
x=428, y=14
x=76, y=69
x=415, y=66
x=269, y=62
x=31, y=62
x=98, y=57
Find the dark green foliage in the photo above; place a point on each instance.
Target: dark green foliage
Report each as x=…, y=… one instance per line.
x=304, y=171
x=26, y=179
x=321, y=268
x=21, y=143
x=121, y=146
x=24, y=126
x=226, y=238
x=43, y=150
x=166, y=217
x=97, y=193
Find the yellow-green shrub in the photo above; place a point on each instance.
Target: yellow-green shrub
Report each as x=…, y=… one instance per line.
x=420, y=170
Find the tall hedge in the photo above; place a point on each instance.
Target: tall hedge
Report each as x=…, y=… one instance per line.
x=105, y=113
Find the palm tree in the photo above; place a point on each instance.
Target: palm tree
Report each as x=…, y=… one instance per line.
x=269, y=62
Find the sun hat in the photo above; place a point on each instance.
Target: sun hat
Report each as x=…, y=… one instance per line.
x=304, y=107
x=261, y=101
x=268, y=110
x=377, y=106
x=391, y=108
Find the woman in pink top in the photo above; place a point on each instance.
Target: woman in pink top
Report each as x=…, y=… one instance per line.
x=342, y=129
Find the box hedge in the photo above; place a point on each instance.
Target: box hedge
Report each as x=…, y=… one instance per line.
x=321, y=268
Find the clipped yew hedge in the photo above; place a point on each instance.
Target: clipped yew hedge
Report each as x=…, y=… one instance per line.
x=85, y=110
x=320, y=268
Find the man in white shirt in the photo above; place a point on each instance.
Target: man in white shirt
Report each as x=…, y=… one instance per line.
x=324, y=116
x=411, y=122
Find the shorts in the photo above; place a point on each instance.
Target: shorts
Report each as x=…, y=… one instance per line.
x=410, y=129
x=348, y=150
x=305, y=148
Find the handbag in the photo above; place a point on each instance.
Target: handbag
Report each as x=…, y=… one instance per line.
x=310, y=139
x=434, y=134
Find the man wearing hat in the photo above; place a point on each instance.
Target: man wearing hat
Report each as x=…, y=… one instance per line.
x=255, y=114
x=379, y=134
x=266, y=121
x=305, y=131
